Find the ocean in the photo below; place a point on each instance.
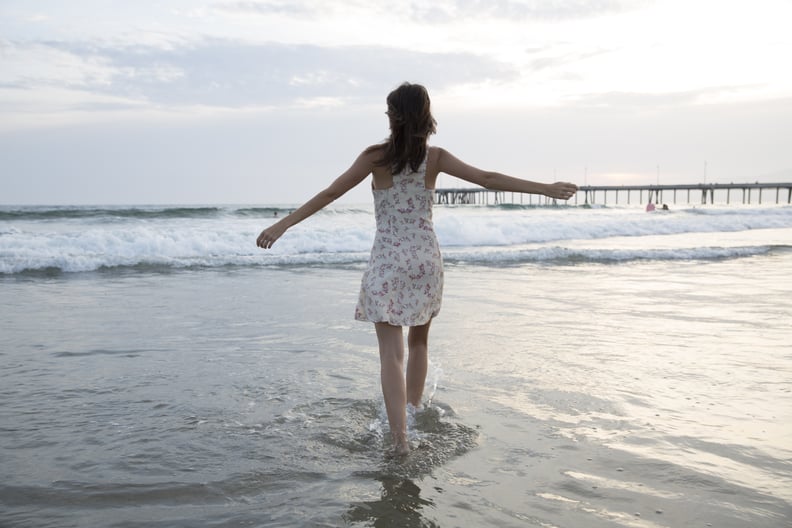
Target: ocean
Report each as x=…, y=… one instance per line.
x=591, y=367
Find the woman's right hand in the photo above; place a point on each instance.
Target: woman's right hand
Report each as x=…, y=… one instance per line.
x=561, y=190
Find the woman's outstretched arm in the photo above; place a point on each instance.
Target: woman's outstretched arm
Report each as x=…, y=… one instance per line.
x=448, y=163
x=355, y=174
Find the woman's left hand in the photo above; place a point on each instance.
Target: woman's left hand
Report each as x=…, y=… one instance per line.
x=270, y=235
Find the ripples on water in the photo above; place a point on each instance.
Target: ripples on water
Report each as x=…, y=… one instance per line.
x=115, y=462
x=649, y=395
x=134, y=402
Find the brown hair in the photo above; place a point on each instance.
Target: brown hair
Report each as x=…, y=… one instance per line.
x=411, y=124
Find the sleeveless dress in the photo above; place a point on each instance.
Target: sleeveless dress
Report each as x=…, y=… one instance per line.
x=403, y=283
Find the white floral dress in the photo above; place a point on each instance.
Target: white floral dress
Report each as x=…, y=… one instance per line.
x=403, y=284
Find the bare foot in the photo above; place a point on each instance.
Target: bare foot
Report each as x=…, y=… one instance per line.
x=401, y=447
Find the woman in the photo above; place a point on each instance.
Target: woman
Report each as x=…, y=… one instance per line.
x=403, y=283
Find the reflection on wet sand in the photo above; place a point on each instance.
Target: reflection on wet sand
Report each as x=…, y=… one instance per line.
x=400, y=505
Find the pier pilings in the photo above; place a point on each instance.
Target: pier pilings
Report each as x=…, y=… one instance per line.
x=591, y=194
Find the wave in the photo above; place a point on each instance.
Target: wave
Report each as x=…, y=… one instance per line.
x=561, y=255
x=80, y=239
x=148, y=212
x=142, y=212
x=64, y=263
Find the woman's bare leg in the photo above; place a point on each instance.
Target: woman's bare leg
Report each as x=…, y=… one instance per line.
x=391, y=348
x=417, y=362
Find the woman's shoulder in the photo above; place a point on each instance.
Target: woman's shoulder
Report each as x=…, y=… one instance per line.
x=433, y=156
x=434, y=151
x=377, y=149
x=432, y=160
x=371, y=154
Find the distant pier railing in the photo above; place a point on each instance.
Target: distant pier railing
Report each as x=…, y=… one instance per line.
x=590, y=194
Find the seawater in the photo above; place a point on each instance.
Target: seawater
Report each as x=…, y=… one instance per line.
x=590, y=367
x=74, y=239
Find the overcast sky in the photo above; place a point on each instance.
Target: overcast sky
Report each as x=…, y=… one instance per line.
x=266, y=101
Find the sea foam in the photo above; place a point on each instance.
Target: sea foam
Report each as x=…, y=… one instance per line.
x=86, y=239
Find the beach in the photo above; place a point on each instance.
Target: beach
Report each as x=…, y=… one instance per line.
x=593, y=367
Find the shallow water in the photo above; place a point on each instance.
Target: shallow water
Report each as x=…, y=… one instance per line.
x=590, y=367
x=642, y=394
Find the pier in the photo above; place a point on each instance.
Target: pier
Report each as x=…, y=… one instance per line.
x=702, y=193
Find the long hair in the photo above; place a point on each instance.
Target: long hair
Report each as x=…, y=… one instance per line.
x=411, y=124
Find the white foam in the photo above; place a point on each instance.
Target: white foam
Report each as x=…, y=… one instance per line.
x=344, y=237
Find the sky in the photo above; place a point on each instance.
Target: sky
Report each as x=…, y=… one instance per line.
x=267, y=101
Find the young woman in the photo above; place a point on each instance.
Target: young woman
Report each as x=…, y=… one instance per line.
x=403, y=283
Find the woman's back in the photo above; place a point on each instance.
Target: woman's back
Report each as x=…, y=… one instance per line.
x=405, y=205
x=403, y=283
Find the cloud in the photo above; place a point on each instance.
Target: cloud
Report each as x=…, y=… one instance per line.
x=563, y=59
x=435, y=12
x=529, y=9
x=272, y=7
x=659, y=100
x=227, y=73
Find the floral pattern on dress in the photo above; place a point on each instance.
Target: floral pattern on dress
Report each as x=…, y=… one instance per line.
x=403, y=283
